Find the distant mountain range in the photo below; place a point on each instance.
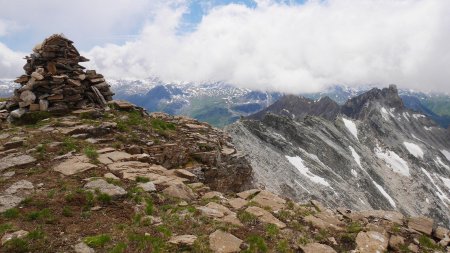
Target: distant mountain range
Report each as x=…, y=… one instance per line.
x=221, y=104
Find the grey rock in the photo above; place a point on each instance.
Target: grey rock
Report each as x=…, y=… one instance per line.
x=83, y=248
x=16, y=160
x=148, y=187
x=18, y=186
x=106, y=188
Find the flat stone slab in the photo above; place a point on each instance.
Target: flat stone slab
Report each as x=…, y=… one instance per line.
x=248, y=193
x=421, y=224
x=317, y=248
x=183, y=239
x=180, y=191
x=115, y=156
x=223, y=242
x=9, y=201
x=265, y=216
x=74, y=165
x=106, y=188
x=14, y=160
x=18, y=186
x=371, y=242
x=237, y=203
x=270, y=200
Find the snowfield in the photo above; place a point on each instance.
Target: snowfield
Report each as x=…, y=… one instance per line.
x=351, y=126
x=394, y=161
x=414, y=149
x=298, y=163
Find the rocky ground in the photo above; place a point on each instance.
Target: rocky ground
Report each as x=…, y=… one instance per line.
x=123, y=181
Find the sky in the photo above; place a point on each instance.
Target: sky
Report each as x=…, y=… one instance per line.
x=292, y=46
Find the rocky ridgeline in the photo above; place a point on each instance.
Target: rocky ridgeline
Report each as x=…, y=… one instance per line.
x=55, y=82
x=124, y=181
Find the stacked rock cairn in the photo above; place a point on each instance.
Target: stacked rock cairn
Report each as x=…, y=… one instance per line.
x=55, y=82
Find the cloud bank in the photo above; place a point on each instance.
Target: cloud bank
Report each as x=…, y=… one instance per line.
x=291, y=47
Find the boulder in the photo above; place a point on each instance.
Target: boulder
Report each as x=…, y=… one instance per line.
x=223, y=242
x=15, y=160
x=269, y=200
x=106, y=188
x=317, y=248
x=237, y=203
x=396, y=241
x=83, y=248
x=210, y=212
x=248, y=193
x=183, y=240
x=421, y=224
x=265, y=216
x=18, y=186
x=148, y=187
x=74, y=165
x=371, y=242
x=18, y=234
x=180, y=191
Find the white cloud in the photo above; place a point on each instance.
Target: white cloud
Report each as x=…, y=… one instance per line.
x=290, y=48
x=11, y=62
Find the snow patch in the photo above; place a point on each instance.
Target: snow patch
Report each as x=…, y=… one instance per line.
x=356, y=156
x=354, y=173
x=446, y=154
x=385, y=194
x=351, y=126
x=414, y=149
x=441, y=163
x=446, y=182
x=298, y=163
x=417, y=116
x=439, y=192
x=394, y=161
x=428, y=128
x=384, y=113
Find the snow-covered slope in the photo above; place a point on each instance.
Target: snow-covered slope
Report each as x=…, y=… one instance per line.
x=374, y=154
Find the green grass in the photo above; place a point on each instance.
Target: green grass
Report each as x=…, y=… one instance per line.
x=247, y=218
x=119, y=248
x=91, y=153
x=69, y=144
x=140, y=179
x=272, y=231
x=67, y=211
x=5, y=227
x=257, y=244
x=149, y=206
x=11, y=213
x=427, y=243
x=16, y=245
x=354, y=227
x=104, y=198
x=97, y=241
x=44, y=215
x=161, y=125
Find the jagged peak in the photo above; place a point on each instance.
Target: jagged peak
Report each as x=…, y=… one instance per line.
x=386, y=96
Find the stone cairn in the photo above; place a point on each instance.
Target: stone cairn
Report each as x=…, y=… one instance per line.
x=55, y=82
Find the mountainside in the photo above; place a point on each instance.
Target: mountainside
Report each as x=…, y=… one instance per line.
x=370, y=153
